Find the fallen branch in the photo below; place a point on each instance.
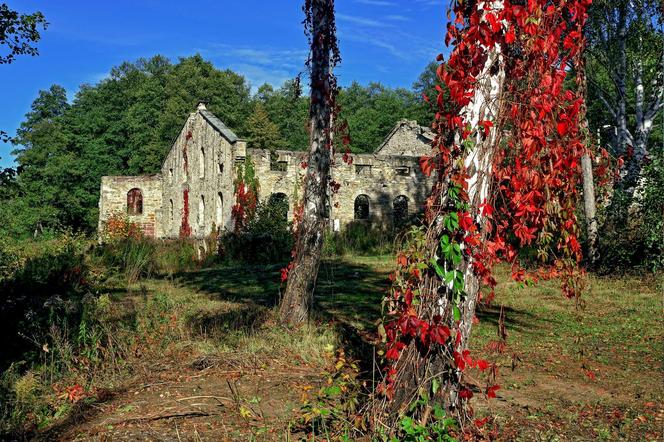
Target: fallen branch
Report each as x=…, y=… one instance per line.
x=163, y=416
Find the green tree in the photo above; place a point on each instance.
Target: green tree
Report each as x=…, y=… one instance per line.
x=289, y=110
x=371, y=112
x=625, y=69
x=124, y=125
x=261, y=132
x=19, y=32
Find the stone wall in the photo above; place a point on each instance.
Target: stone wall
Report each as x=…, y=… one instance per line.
x=207, y=176
x=113, y=201
x=382, y=178
x=406, y=139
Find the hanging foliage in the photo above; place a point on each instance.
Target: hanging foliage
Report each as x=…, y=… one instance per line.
x=507, y=159
x=185, y=227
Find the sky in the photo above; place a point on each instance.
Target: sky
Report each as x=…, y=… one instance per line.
x=390, y=41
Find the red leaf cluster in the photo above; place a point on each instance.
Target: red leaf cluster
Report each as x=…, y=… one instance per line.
x=536, y=167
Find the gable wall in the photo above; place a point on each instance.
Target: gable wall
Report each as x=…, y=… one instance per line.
x=113, y=201
x=212, y=180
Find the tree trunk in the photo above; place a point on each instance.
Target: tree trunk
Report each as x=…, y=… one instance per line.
x=590, y=209
x=589, y=201
x=298, y=297
x=415, y=373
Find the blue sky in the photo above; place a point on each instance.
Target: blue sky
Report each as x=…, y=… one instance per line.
x=390, y=41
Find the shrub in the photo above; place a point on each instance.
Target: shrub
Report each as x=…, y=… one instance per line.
x=132, y=257
x=266, y=239
x=39, y=280
x=632, y=235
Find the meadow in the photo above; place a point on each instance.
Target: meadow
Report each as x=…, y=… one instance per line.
x=178, y=349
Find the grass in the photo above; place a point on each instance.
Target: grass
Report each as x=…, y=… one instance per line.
x=212, y=332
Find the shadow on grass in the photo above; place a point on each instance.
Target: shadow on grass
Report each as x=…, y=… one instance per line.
x=515, y=320
x=348, y=294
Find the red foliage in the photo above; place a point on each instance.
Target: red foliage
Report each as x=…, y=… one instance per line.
x=245, y=206
x=536, y=166
x=118, y=227
x=185, y=228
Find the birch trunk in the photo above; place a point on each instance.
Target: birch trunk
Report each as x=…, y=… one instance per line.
x=297, y=302
x=590, y=209
x=413, y=372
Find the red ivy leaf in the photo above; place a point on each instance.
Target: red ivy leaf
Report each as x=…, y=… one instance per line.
x=426, y=165
x=491, y=391
x=482, y=364
x=563, y=128
x=479, y=423
x=510, y=37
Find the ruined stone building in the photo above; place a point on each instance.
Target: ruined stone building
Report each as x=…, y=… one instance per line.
x=195, y=188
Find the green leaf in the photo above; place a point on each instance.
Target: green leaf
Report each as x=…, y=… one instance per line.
x=456, y=313
x=451, y=221
x=458, y=281
x=435, y=385
x=439, y=270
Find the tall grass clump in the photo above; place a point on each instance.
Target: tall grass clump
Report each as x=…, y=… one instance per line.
x=360, y=238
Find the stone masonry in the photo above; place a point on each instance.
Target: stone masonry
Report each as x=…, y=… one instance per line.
x=200, y=170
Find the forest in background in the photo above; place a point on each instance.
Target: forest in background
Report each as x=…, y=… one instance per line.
x=87, y=319
x=125, y=125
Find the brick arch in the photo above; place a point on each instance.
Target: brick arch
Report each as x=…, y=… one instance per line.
x=135, y=202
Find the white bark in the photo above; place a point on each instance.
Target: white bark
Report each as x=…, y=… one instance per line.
x=590, y=209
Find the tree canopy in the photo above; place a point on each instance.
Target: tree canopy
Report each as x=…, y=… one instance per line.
x=18, y=33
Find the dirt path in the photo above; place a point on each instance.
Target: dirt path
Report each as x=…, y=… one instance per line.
x=207, y=399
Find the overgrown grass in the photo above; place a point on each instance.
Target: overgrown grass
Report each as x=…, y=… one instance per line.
x=182, y=311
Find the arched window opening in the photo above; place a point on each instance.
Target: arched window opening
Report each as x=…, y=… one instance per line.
x=400, y=210
x=171, y=209
x=278, y=203
x=134, y=202
x=362, y=207
x=201, y=162
x=201, y=211
x=219, y=216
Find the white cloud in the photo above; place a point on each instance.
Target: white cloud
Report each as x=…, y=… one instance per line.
x=396, y=17
x=377, y=2
x=259, y=65
x=361, y=21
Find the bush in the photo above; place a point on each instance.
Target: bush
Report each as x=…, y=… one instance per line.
x=266, y=239
x=632, y=235
x=136, y=258
x=39, y=280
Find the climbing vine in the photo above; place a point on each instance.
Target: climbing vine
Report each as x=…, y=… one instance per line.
x=185, y=227
x=246, y=194
x=511, y=127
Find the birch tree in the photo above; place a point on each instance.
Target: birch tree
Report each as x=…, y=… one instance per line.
x=302, y=271
x=507, y=156
x=626, y=75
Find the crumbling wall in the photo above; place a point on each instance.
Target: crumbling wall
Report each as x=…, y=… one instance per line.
x=382, y=178
x=113, y=201
x=406, y=139
x=201, y=169
x=200, y=165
